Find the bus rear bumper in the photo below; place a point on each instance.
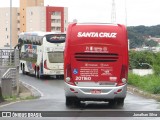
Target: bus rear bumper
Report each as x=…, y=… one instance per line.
x=53, y=72
x=95, y=93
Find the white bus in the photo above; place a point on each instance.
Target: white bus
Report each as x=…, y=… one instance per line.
x=41, y=53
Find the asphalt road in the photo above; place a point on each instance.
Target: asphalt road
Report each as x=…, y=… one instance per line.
x=53, y=99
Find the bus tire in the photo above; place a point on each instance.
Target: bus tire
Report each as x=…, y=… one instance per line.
x=120, y=102
x=68, y=101
x=36, y=72
x=39, y=76
x=112, y=103
x=23, y=70
x=71, y=101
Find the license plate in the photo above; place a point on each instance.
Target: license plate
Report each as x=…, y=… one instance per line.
x=95, y=91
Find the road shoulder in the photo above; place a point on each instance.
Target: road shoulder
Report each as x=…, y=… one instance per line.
x=139, y=92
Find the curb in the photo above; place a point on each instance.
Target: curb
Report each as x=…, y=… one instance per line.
x=135, y=90
x=34, y=92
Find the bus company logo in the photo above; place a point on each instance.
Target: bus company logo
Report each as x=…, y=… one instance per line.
x=97, y=34
x=57, y=38
x=30, y=49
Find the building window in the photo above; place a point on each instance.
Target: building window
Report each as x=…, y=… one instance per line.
x=56, y=21
x=31, y=13
x=6, y=29
x=7, y=45
x=7, y=37
x=6, y=14
x=56, y=13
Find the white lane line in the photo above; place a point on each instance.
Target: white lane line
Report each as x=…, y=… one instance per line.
x=9, y=104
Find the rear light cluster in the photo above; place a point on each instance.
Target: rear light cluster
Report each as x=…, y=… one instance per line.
x=45, y=65
x=69, y=75
x=123, y=77
x=118, y=91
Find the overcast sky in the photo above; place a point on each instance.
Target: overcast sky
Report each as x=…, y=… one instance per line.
x=139, y=12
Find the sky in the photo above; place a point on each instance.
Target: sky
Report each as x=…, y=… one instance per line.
x=128, y=12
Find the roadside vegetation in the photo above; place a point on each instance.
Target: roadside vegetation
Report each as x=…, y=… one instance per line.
x=149, y=83
x=142, y=35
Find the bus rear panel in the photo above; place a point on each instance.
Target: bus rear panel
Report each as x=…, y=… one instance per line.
x=96, y=63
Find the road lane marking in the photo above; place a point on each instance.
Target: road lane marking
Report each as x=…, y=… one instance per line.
x=8, y=104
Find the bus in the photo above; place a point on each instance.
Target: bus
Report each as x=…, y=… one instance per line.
x=41, y=53
x=96, y=63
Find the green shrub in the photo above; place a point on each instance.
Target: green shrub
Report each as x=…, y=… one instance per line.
x=149, y=83
x=151, y=58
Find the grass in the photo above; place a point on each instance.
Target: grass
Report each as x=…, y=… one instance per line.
x=15, y=98
x=149, y=83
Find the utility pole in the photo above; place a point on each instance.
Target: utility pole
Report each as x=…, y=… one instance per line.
x=126, y=12
x=113, y=12
x=10, y=24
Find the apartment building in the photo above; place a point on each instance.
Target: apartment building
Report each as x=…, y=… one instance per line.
x=5, y=27
x=31, y=16
x=24, y=4
x=46, y=19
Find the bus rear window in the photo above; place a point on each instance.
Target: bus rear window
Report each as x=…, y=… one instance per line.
x=55, y=57
x=56, y=38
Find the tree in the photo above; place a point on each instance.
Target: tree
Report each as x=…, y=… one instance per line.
x=139, y=34
x=151, y=43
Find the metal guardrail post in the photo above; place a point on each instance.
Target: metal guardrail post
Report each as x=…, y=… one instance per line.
x=7, y=89
x=9, y=67
x=16, y=60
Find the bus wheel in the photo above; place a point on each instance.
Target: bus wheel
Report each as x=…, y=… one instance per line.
x=23, y=70
x=120, y=102
x=37, y=73
x=71, y=101
x=112, y=103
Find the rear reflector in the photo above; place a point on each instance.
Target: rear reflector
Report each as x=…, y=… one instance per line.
x=45, y=65
x=72, y=90
x=118, y=91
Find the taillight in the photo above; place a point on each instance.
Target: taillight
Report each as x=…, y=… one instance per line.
x=68, y=70
x=123, y=77
x=69, y=75
x=45, y=65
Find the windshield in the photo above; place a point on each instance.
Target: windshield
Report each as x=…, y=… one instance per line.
x=56, y=38
x=55, y=57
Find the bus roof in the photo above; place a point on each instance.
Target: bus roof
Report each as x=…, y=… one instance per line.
x=39, y=33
